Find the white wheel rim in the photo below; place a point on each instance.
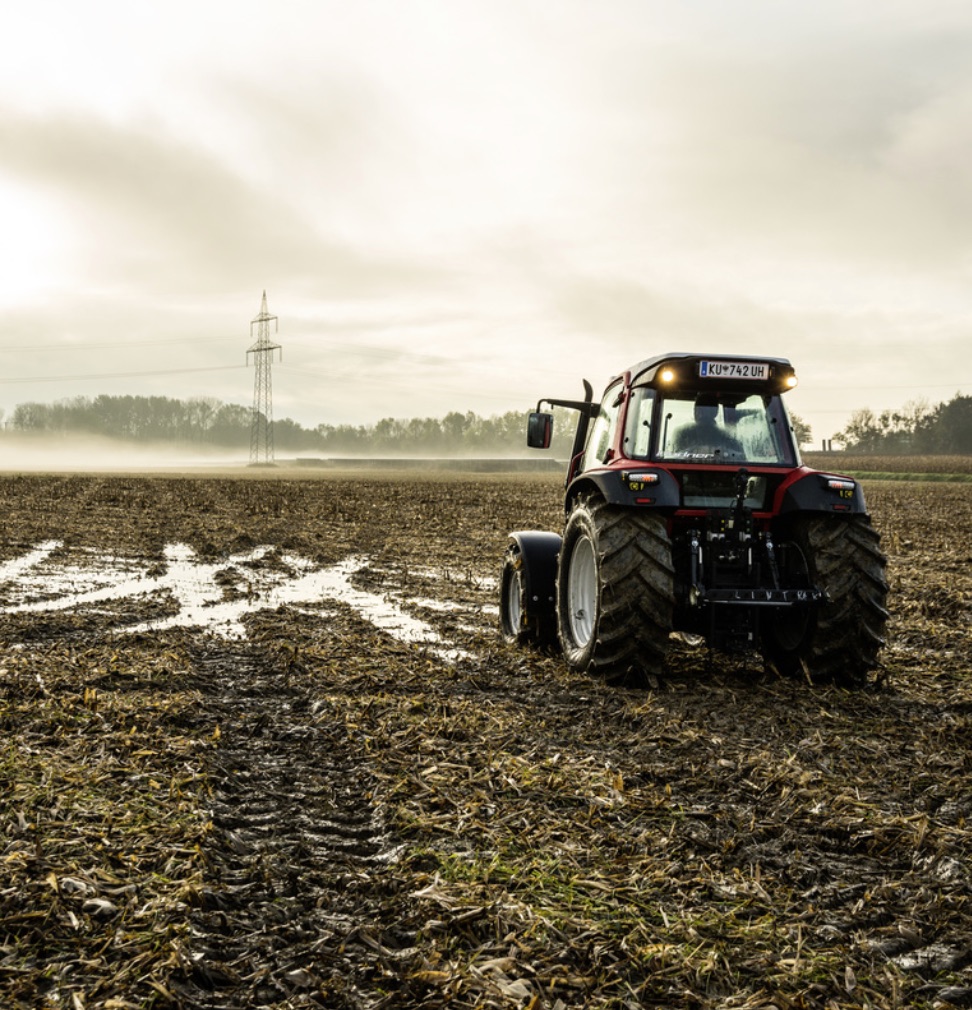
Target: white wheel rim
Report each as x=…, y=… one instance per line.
x=582, y=592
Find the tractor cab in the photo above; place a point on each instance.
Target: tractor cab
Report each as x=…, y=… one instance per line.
x=700, y=418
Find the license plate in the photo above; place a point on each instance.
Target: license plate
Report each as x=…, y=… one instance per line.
x=733, y=370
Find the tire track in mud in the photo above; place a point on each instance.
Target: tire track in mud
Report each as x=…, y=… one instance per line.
x=296, y=856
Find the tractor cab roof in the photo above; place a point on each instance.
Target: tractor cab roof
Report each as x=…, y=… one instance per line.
x=716, y=372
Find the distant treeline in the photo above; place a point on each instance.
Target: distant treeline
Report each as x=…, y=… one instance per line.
x=918, y=427
x=138, y=418
x=453, y=434
x=209, y=422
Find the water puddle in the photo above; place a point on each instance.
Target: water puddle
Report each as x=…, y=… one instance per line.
x=16, y=567
x=211, y=596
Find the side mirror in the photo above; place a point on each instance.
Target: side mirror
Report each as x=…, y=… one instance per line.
x=539, y=430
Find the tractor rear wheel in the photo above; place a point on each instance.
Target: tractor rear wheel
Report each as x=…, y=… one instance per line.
x=615, y=590
x=840, y=640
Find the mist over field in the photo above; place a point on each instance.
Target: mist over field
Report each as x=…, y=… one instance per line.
x=71, y=452
x=135, y=430
x=74, y=453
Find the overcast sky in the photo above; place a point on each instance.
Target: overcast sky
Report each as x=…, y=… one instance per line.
x=470, y=204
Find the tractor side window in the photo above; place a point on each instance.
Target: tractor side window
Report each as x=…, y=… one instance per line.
x=601, y=436
x=637, y=429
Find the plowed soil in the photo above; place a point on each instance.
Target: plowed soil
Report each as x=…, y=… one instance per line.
x=261, y=746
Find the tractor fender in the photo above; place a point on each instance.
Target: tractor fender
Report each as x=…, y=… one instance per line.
x=821, y=492
x=539, y=555
x=634, y=486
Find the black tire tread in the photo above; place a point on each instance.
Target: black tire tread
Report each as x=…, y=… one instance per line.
x=636, y=590
x=846, y=637
x=850, y=566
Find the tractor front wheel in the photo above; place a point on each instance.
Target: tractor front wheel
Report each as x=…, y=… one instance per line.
x=615, y=590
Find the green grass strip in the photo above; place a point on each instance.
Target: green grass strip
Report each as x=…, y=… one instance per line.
x=940, y=478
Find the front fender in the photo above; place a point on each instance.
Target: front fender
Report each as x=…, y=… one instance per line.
x=821, y=492
x=636, y=486
x=539, y=556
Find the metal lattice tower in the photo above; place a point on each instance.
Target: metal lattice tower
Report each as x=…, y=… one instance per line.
x=261, y=427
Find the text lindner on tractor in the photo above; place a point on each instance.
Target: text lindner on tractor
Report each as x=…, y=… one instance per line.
x=688, y=510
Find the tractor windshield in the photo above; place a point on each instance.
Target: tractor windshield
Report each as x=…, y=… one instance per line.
x=703, y=427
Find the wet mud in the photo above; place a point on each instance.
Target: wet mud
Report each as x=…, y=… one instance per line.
x=263, y=747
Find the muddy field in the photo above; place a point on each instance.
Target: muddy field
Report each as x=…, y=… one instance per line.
x=261, y=746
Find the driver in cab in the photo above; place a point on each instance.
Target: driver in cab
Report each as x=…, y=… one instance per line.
x=706, y=437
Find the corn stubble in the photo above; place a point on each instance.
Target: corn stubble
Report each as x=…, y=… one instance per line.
x=320, y=815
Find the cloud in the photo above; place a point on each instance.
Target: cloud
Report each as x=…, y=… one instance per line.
x=817, y=146
x=150, y=211
x=449, y=201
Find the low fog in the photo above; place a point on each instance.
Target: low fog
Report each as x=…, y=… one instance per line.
x=74, y=453
x=20, y=452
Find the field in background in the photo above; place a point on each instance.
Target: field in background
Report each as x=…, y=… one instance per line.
x=890, y=466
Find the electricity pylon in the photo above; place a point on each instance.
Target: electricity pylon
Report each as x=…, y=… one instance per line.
x=261, y=427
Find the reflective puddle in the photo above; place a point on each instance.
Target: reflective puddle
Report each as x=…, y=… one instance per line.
x=211, y=596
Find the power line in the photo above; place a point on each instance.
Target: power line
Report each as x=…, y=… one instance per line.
x=117, y=375
x=399, y=383
x=372, y=350
x=113, y=344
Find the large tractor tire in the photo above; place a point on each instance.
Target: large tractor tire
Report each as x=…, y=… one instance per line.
x=840, y=639
x=615, y=590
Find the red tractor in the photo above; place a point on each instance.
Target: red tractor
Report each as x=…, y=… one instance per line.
x=688, y=510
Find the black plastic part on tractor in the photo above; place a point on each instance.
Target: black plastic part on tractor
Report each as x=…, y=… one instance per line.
x=528, y=615
x=688, y=510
